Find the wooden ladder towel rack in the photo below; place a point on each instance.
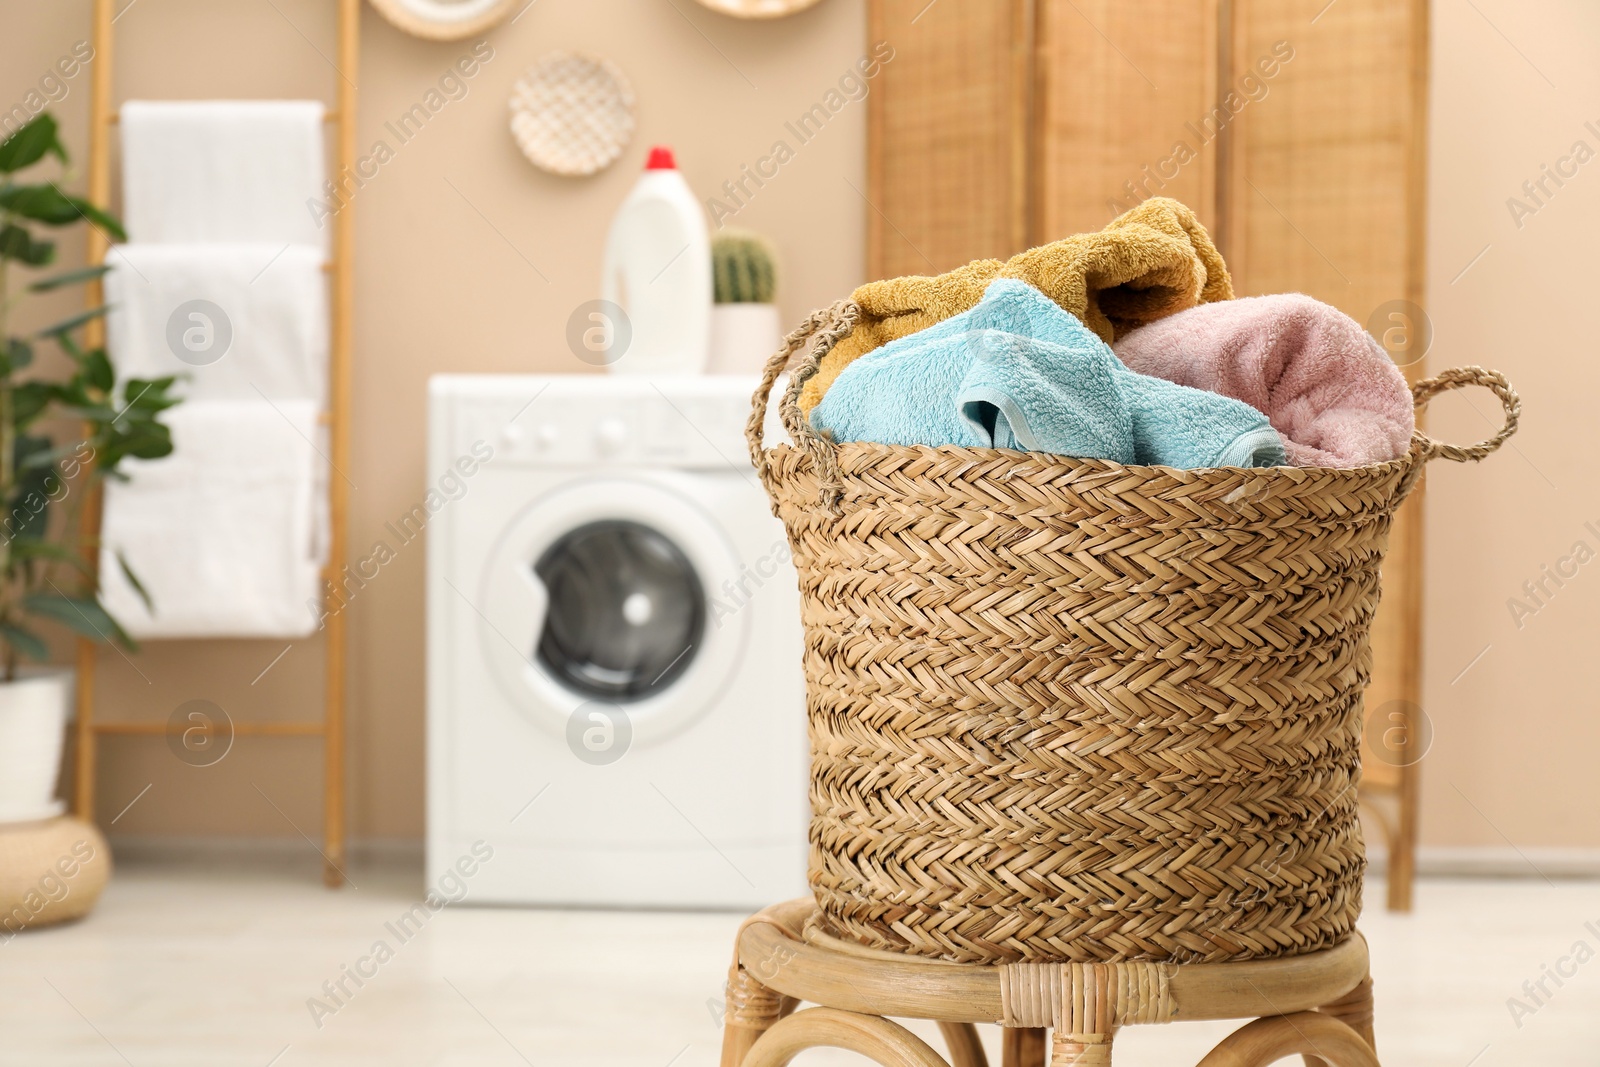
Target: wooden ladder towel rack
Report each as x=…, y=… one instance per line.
x=331, y=728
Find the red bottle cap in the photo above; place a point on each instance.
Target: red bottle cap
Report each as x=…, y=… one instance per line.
x=661, y=159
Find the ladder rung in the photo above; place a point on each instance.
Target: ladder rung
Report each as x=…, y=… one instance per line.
x=327, y=117
x=263, y=729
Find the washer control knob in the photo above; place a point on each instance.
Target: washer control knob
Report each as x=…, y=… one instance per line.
x=546, y=436
x=610, y=435
x=511, y=436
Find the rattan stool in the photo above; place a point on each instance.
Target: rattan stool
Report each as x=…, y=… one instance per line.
x=1318, y=1004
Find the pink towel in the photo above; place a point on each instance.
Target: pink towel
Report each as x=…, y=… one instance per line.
x=1331, y=391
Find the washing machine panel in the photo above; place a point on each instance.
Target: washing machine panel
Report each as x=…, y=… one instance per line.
x=631, y=597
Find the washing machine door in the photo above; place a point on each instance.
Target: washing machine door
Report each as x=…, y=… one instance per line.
x=605, y=594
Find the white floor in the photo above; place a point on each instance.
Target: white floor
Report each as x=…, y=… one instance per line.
x=213, y=963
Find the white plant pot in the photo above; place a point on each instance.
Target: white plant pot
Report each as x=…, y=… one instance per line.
x=34, y=711
x=742, y=337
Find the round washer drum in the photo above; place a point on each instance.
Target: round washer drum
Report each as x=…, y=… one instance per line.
x=599, y=591
x=625, y=610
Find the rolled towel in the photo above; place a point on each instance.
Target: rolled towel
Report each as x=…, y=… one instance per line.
x=1148, y=262
x=1330, y=390
x=1018, y=372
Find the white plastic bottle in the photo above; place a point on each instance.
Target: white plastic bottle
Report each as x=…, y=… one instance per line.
x=658, y=270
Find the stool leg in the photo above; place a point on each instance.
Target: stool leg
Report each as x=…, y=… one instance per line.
x=1022, y=1046
x=1081, y=1050
x=1270, y=1039
x=1354, y=1009
x=966, y=1050
x=751, y=1010
x=878, y=1039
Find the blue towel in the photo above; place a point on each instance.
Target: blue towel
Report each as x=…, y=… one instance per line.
x=1016, y=371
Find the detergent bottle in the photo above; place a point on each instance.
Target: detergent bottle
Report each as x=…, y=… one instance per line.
x=657, y=269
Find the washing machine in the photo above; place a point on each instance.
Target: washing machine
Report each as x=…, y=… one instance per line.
x=615, y=699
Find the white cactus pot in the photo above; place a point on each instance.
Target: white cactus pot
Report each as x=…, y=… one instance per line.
x=742, y=337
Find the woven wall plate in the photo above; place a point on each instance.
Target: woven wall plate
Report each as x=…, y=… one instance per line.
x=759, y=9
x=572, y=114
x=445, y=20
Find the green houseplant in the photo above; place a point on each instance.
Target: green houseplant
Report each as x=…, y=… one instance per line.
x=65, y=423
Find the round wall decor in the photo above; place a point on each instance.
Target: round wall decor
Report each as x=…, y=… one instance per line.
x=759, y=9
x=572, y=114
x=445, y=20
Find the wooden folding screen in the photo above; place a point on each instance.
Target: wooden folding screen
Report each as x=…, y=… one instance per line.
x=1295, y=128
x=949, y=151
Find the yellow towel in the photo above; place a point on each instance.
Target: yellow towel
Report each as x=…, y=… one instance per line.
x=1146, y=264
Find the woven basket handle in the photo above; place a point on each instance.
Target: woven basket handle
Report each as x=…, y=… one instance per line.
x=824, y=328
x=1456, y=378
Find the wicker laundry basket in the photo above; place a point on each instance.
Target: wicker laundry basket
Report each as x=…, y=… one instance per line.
x=1067, y=710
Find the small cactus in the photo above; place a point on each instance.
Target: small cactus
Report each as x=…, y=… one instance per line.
x=743, y=269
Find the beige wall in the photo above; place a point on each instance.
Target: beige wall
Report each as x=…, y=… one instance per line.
x=442, y=288
x=1516, y=737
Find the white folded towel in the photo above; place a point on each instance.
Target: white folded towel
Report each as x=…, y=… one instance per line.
x=223, y=170
x=269, y=306
x=220, y=532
